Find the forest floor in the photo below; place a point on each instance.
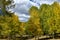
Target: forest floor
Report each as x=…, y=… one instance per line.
x=54, y=39
x=34, y=39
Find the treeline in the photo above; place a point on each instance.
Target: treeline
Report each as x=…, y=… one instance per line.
x=43, y=21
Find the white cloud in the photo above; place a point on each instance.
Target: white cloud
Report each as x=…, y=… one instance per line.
x=22, y=7
x=23, y=19
x=20, y=1
x=23, y=15
x=45, y=2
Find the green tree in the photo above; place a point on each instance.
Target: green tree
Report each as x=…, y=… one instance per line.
x=4, y=25
x=9, y=26
x=54, y=21
x=45, y=13
x=33, y=25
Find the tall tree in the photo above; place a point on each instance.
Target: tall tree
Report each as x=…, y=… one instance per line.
x=9, y=26
x=6, y=4
x=33, y=25
x=45, y=13
x=54, y=21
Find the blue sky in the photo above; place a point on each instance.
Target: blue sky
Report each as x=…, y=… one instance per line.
x=22, y=7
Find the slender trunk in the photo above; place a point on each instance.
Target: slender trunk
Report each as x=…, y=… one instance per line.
x=14, y=37
x=38, y=37
x=4, y=6
x=9, y=37
x=53, y=35
x=35, y=37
